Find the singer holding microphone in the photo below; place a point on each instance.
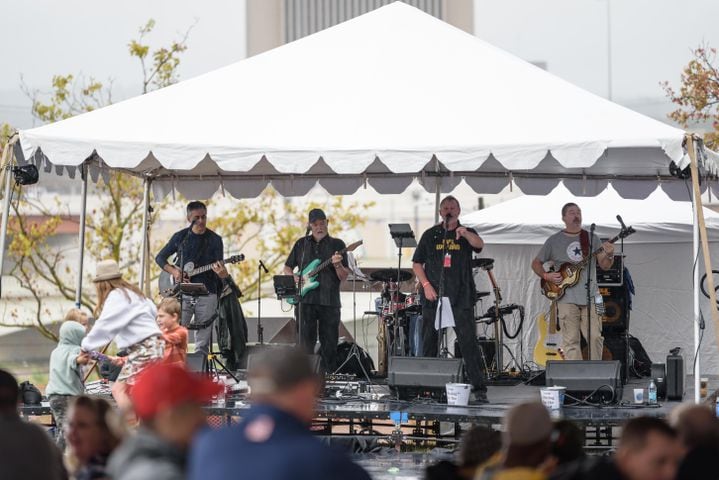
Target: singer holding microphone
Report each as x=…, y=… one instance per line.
x=572, y=245
x=320, y=307
x=202, y=246
x=444, y=255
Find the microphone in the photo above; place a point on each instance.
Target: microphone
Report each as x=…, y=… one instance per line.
x=263, y=267
x=621, y=222
x=307, y=232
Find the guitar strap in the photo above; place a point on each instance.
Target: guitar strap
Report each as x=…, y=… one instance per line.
x=584, y=242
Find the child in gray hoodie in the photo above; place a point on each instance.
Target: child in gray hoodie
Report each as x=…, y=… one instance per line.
x=65, y=379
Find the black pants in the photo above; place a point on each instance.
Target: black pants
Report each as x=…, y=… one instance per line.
x=323, y=321
x=466, y=336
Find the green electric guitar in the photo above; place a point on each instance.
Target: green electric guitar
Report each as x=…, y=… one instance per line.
x=310, y=272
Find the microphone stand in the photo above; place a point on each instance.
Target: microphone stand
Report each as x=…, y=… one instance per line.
x=260, y=329
x=298, y=306
x=181, y=250
x=441, y=339
x=589, y=295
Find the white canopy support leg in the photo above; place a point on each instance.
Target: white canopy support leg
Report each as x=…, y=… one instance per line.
x=145, y=234
x=697, y=313
x=81, y=235
x=7, y=161
x=701, y=226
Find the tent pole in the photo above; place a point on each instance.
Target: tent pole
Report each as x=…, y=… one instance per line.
x=81, y=256
x=703, y=236
x=697, y=313
x=437, y=187
x=7, y=160
x=145, y=234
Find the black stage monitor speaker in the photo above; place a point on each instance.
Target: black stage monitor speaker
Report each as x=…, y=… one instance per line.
x=195, y=362
x=595, y=380
x=413, y=377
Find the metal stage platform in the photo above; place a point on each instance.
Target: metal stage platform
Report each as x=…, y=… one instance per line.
x=426, y=423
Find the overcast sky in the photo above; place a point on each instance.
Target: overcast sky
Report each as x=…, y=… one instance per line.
x=40, y=38
x=651, y=41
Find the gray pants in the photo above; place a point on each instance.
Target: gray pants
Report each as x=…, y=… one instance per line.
x=201, y=314
x=58, y=406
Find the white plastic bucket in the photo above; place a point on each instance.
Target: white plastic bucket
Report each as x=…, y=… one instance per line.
x=553, y=399
x=458, y=393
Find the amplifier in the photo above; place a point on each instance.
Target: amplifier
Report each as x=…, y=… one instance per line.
x=614, y=275
x=675, y=376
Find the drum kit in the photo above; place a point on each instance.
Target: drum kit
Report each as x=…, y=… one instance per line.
x=395, y=309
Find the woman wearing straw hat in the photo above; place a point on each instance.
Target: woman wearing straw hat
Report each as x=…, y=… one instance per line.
x=124, y=314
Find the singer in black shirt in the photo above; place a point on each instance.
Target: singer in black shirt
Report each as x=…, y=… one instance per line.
x=434, y=255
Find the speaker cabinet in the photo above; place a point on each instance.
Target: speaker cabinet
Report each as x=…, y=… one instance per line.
x=486, y=352
x=413, y=377
x=617, y=346
x=196, y=362
x=616, y=314
x=595, y=380
x=659, y=375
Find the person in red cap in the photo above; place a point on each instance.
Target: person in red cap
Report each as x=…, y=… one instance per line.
x=168, y=401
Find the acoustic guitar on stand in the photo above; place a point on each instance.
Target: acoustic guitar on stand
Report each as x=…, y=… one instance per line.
x=572, y=271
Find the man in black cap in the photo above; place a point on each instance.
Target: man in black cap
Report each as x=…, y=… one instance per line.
x=319, y=309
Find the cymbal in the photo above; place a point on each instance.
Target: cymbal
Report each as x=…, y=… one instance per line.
x=479, y=295
x=482, y=262
x=390, y=275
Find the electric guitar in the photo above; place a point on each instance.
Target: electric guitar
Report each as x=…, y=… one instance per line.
x=310, y=272
x=572, y=271
x=549, y=343
x=167, y=281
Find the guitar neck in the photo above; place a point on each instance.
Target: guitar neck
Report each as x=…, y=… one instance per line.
x=597, y=251
x=324, y=264
x=203, y=269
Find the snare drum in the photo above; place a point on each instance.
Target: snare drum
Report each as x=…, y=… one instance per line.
x=411, y=303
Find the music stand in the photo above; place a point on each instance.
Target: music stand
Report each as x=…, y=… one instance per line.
x=403, y=236
x=354, y=275
x=285, y=286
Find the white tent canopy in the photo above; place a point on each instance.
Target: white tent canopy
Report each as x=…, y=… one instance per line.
x=389, y=96
x=659, y=257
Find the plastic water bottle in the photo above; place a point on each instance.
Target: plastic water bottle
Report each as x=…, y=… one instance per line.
x=716, y=406
x=652, y=393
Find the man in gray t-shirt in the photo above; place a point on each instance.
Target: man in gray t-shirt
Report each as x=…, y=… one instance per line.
x=566, y=246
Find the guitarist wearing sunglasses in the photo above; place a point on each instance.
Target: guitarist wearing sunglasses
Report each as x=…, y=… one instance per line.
x=202, y=246
x=320, y=306
x=571, y=246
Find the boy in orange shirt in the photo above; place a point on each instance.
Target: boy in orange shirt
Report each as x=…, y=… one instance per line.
x=175, y=335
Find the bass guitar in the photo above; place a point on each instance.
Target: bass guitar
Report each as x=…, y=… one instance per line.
x=167, y=281
x=572, y=271
x=549, y=343
x=310, y=272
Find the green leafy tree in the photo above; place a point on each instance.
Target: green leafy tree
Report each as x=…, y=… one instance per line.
x=41, y=268
x=698, y=95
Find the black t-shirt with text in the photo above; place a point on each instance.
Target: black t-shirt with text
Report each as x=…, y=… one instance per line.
x=458, y=279
x=328, y=292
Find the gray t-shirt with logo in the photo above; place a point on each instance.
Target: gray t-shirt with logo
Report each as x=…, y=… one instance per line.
x=561, y=248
